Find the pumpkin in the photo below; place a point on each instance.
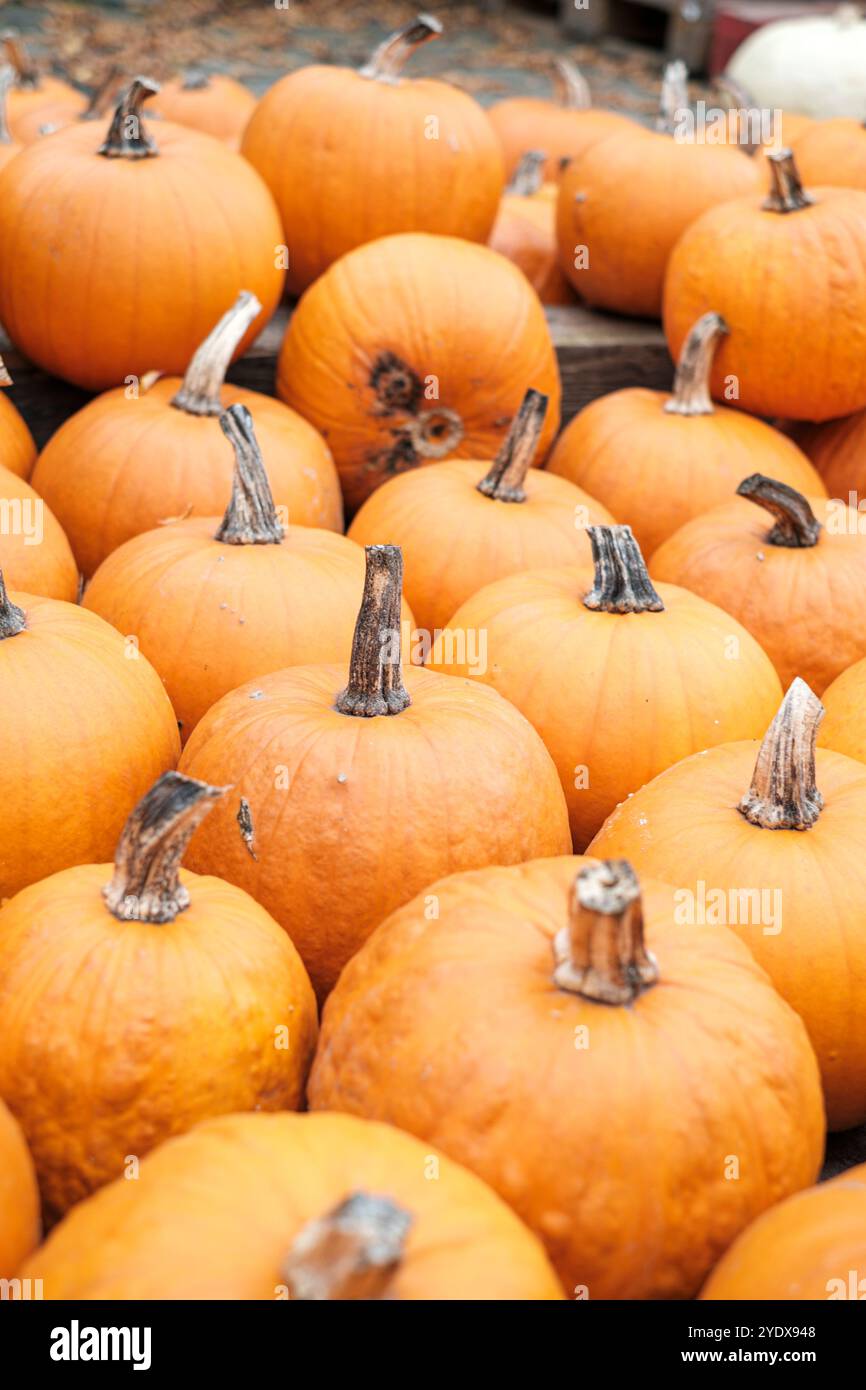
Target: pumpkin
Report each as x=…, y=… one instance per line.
x=301, y=1207
x=659, y=458
x=17, y=447
x=808, y=1247
x=34, y=99
x=794, y=584
x=116, y=258
x=556, y=1009
x=8, y=146
x=562, y=128
x=144, y=454
x=525, y=232
x=353, y=799
x=352, y=156
x=88, y=728
x=833, y=152
x=770, y=267
x=844, y=700
x=19, y=1197
x=237, y=597
x=34, y=552
x=170, y=962
x=774, y=848
x=754, y=126
x=207, y=101
x=619, y=679
x=416, y=348
x=624, y=203
x=810, y=63
x=838, y=450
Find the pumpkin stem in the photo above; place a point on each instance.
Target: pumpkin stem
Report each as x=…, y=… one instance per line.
x=250, y=517
x=194, y=80
x=127, y=137
x=387, y=61
x=622, y=583
x=601, y=955
x=100, y=98
x=12, y=618
x=375, y=673
x=351, y=1253
x=26, y=71
x=146, y=885
x=7, y=77
x=507, y=474
x=691, y=391
x=797, y=526
x=674, y=96
x=529, y=174
x=572, y=88
x=5, y=378
x=787, y=193
x=201, y=391
x=783, y=794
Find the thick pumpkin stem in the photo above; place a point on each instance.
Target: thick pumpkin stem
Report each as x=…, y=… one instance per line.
x=251, y=517
x=601, y=954
x=507, y=472
x=127, y=137
x=7, y=77
x=691, y=393
x=529, y=174
x=783, y=794
x=572, y=88
x=375, y=673
x=352, y=1253
x=12, y=618
x=101, y=98
x=787, y=193
x=26, y=72
x=674, y=96
x=146, y=886
x=622, y=583
x=387, y=62
x=201, y=392
x=797, y=526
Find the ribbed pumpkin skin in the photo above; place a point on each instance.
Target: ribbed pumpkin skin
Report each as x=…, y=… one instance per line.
x=843, y=727
x=121, y=466
x=684, y=827
x=353, y=816
x=177, y=1022
x=402, y=318
x=34, y=552
x=410, y=1035
x=204, y=225
x=530, y=123
x=52, y=102
x=525, y=232
x=215, y=1212
x=221, y=109
x=833, y=152
x=16, y=442
x=89, y=731
x=19, y=1197
x=804, y=1248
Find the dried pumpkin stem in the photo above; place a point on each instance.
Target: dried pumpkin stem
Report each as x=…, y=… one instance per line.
x=507, y=473
x=375, y=673
x=601, y=953
x=7, y=77
x=529, y=174
x=12, y=618
x=797, y=526
x=787, y=193
x=201, y=391
x=26, y=72
x=5, y=378
x=387, y=61
x=572, y=88
x=691, y=391
x=250, y=517
x=622, y=583
x=127, y=137
x=784, y=794
x=146, y=885
x=674, y=96
x=101, y=97
x=351, y=1253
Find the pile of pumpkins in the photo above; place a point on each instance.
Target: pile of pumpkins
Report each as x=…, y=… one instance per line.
x=473, y=903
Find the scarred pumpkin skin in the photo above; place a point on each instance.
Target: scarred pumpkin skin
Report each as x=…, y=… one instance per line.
x=34, y=552
x=832, y=152
x=215, y=1212
x=19, y=1197
x=217, y=105
x=17, y=449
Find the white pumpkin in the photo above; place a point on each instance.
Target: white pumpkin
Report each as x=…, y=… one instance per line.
x=814, y=65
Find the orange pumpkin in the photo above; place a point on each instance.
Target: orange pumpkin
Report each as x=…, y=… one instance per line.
x=139, y=456
x=352, y=156
x=463, y=524
x=34, y=99
x=115, y=259
x=770, y=267
x=838, y=450
x=556, y=1009
x=620, y=680
x=17, y=447
x=412, y=349
x=19, y=1197
x=659, y=458
x=525, y=232
x=351, y=802
x=775, y=849
x=212, y=102
x=237, y=597
x=832, y=152
x=169, y=962
x=34, y=552
x=300, y=1207
x=844, y=728
x=89, y=728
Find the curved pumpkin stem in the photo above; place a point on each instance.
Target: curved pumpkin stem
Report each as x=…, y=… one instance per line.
x=783, y=794
x=375, y=672
x=691, y=390
x=127, y=137
x=601, y=954
x=146, y=886
x=572, y=88
x=797, y=526
x=507, y=473
x=674, y=96
x=27, y=75
x=529, y=174
x=622, y=583
x=351, y=1253
x=387, y=61
x=12, y=618
x=787, y=193
x=7, y=78
x=251, y=517
x=205, y=376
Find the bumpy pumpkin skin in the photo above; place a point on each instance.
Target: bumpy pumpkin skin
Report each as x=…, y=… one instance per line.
x=416, y=348
x=17, y=449
x=214, y=1213
x=220, y=107
x=34, y=552
x=19, y=1197
x=525, y=232
x=502, y=1099
x=833, y=152
x=530, y=123
x=844, y=728
x=804, y=1248
x=352, y=816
